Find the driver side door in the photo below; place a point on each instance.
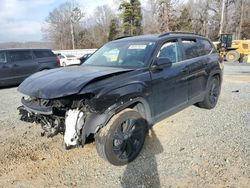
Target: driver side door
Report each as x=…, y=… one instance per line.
x=169, y=85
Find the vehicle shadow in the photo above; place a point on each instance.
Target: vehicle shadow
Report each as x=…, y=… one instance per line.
x=143, y=172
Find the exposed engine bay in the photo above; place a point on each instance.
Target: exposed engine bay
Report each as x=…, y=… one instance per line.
x=65, y=116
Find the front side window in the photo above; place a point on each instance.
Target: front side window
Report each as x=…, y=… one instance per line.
x=170, y=50
x=191, y=48
x=3, y=58
x=122, y=54
x=20, y=55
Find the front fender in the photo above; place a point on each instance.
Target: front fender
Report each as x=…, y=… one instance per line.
x=95, y=121
x=116, y=96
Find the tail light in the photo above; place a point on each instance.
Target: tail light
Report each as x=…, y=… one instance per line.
x=57, y=61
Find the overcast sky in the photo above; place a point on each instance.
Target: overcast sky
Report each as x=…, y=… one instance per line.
x=21, y=20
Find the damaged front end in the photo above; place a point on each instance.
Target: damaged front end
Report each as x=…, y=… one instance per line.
x=65, y=115
x=74, y=101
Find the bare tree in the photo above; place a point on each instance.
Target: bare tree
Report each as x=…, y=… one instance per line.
x=94, y=30
x=160, y=16
x=57, y=27
x=150, y=23
x=103, y=16
x=201, y=16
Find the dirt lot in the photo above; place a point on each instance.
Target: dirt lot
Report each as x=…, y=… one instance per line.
x=194, y=148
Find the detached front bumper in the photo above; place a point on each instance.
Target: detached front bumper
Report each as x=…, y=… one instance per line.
x=34, y=111
x=35, y=107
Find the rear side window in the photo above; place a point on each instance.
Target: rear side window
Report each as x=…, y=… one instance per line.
x=43, y=53
x=3, y=58
x=191, y=48
x=205, y=47
x=20, y=55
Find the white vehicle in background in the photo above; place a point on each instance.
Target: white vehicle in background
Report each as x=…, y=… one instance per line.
x=68, y=59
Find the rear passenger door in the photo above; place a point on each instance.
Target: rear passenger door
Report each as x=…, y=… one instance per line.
x=169, y=85
x=23, y=63
x=46, y=59
x=197, y=68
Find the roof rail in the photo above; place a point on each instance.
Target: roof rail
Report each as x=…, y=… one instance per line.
x=122, y=37
x=178, y=32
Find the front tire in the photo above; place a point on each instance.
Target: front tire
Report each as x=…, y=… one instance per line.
x=122, y=139
x=212, y=94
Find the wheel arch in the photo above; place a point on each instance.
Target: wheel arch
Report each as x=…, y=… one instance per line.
x=216, y=73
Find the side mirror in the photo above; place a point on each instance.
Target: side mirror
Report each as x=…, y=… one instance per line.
x=161, y=63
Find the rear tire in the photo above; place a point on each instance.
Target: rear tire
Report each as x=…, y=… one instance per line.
x=212, y=94
x=232, y=56
x=122, y=139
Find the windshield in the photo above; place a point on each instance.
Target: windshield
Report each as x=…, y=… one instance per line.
x=122, y=54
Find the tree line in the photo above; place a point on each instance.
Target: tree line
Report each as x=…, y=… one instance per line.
x=156, y=16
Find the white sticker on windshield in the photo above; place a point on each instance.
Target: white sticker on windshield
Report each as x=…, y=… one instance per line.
x=137, y=47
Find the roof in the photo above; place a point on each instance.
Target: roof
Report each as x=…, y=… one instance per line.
x=157, y=37
x=138, y=38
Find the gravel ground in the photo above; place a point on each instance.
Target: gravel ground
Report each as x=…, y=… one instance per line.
x=193, y=148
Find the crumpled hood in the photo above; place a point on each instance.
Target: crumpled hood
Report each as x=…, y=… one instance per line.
x=66, y=81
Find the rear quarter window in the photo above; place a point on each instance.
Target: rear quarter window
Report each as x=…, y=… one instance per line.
x=43, y=53
x=20, y=55
x=205, y=47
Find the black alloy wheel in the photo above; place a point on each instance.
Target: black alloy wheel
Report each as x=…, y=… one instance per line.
x=122, y=139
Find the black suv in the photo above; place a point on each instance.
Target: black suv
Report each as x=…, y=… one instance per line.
x=122, y=90
x=18, y=64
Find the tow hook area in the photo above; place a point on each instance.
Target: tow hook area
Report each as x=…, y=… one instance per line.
x=74, y=122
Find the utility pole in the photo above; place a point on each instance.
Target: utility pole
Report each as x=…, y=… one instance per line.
x=241, y=19
x=222, y=16
x=72, y=34
x=76, y=16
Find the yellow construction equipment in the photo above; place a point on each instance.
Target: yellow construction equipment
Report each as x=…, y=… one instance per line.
x=246, y=59
x=233, y=50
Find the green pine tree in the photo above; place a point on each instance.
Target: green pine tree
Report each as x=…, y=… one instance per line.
x=131, y=17
x=113, y=29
